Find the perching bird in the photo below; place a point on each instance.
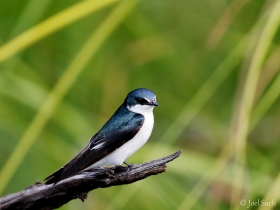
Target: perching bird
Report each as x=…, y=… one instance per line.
x=122, y=135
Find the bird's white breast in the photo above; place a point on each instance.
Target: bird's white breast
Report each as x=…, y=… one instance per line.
x=119, y=155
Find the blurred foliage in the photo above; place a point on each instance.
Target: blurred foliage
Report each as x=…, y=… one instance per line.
x=66, y=66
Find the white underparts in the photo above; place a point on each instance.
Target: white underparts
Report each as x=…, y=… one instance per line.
x=119, y=155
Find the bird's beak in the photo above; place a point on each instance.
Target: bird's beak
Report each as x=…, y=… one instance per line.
x=154, y=103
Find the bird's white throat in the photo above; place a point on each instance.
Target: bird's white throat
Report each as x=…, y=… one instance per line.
x=141, y=109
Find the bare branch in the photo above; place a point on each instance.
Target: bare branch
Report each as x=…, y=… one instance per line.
x=41, y=196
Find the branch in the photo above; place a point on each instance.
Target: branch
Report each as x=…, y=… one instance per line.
x=41, y=196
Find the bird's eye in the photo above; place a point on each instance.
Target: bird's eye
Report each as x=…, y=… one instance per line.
x=142, y=101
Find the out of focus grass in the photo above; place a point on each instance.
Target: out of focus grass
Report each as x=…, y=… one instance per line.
x=67, y=65
x=60, y=89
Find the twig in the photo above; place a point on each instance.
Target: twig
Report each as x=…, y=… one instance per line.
x=45, y=197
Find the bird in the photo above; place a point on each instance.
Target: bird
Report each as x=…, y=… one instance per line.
x=123, y=134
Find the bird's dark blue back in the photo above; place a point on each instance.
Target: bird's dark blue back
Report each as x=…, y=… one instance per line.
x=120, y=120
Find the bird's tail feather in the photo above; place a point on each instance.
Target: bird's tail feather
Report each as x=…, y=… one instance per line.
x=55, y=177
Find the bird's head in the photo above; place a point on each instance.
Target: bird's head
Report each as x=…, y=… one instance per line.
x=141, y=101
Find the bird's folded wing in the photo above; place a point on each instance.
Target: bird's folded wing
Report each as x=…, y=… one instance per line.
x=100, y=145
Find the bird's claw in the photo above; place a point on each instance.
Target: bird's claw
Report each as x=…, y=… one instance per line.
x=129, y=166
x=110, y=172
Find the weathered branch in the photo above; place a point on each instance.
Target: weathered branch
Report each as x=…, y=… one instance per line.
x=41, y=196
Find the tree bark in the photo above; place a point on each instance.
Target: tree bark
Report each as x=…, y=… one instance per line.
x=45, y=197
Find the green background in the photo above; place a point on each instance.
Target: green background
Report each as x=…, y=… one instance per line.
x=66, y=66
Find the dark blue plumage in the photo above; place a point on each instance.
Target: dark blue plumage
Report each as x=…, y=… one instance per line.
x=118, y=138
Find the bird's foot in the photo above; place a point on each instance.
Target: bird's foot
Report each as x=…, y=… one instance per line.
x=129, y=166
x=110, y=172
